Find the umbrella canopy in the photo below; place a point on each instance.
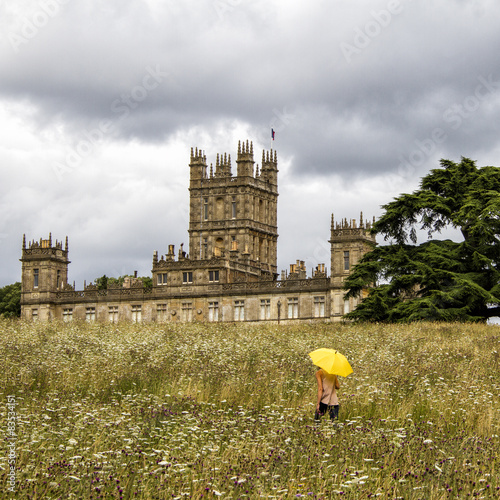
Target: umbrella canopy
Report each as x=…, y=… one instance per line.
x=331, y=361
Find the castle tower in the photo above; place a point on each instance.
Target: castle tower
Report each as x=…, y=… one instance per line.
x=349, y=241
x=44, y=272
x=235, y=216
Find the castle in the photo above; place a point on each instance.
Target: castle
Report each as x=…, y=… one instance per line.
x=230, y=272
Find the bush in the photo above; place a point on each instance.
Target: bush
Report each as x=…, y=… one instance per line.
x=10, y=301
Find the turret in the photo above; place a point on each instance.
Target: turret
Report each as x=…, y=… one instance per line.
x=44, y=273
x=223, y=166
x=198, y=166
x=269, y=170
x=349, y=242
x=245, y=159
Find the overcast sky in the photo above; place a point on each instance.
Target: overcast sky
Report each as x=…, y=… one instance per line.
x=101, y=101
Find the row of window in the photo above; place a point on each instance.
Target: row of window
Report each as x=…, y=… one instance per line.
x=260, y=209
x=90, y=313
x=265, y=309
x=292, y=311
x=36, y=277
x=187, y=278
x=219, y=208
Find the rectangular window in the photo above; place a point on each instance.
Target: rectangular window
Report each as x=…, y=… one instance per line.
x=90, y=314
x=265, y=309
x=213, y=311
x=205, y=208
x=58, y=279
x=213, y=276
x=136, y=314
x=67, y=315
x=187, y=277
x=162, y=278
x=319, y=307
x=187, y=311
x=346, y=261
x=233, y=208
x=293, y=307
x=205, y=248
x=346, y=306
x=35, y=278
x=113, y=314
x=239, y=310
x=161, y=312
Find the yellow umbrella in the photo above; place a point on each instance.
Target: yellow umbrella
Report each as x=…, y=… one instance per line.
x=331, y=361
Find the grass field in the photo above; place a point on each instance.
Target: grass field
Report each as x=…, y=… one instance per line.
x=214, y=410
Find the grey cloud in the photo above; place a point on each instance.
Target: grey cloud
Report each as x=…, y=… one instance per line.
x=228, y=65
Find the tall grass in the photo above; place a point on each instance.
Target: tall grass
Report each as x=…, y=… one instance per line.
x=218, y=410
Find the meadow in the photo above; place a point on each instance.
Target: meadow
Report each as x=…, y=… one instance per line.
x=226, y=411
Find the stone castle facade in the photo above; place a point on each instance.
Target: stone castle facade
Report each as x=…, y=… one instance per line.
x=230, y=271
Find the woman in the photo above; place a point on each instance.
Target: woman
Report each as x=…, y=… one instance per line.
x=327, y=395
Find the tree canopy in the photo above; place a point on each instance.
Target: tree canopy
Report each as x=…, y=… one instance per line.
x=438, y=280
x=10, y=301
